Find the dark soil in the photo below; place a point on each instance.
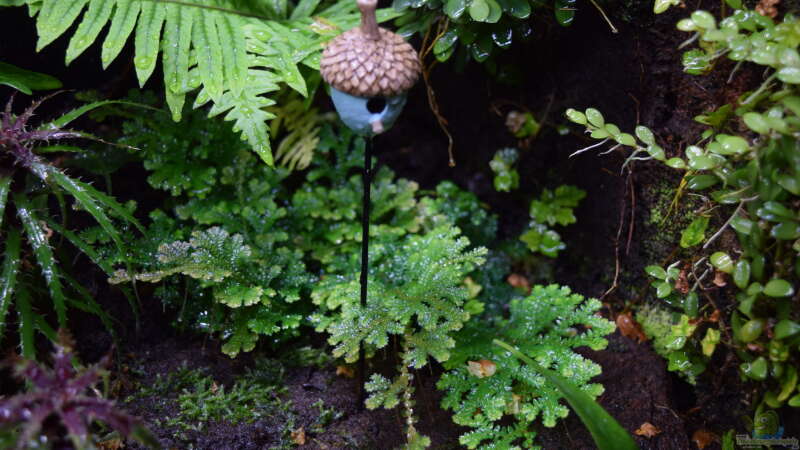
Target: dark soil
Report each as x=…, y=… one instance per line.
x=633, y=77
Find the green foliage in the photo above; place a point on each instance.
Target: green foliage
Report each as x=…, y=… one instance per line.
x=243, y=239
x=752, y=176
x=234, y=60
x=546, y=326
x=607, y=433
x=26, y=81
x=552, y=207
x=201, y=401
x=28, y=183
x=694, y=234
x=473, y=27
x=418, y=265
x=227, y=231
x=463, y=209
x=245, y=283
x=301, y=127
x=759, y=176
x=326, y=210
x=644, y=143
x=65, y=395
x=506, y=177
x=415, y=292
x=659, y=6
x=230, y=220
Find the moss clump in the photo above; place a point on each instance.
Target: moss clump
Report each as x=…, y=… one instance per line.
x=194, y=399
x=657, y=325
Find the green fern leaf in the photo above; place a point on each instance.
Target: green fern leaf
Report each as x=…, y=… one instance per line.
x=209, y=53
x=206, y=48
x=147, y=39
x=384, y=393
x=245, y=110
x=176, y=46
x=55, y=18
x=234, y=53
x=93, y=22
x=122, y=23
x=304, y=9
x=235, y=295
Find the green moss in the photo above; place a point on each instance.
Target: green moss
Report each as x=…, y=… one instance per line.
x=657, y=325
x=194, y=399
x=664, y=223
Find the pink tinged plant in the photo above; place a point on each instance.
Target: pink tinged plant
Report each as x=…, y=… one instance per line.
x=64, y=392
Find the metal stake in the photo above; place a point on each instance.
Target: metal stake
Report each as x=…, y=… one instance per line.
x=365, y=209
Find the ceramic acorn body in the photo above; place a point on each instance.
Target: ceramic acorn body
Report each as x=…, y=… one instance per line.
x=369, y=69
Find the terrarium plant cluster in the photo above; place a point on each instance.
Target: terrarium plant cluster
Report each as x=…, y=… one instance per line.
x=256, y=248
x=239, y=252
x=744, y=241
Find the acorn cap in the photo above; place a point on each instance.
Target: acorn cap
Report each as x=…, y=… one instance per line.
x=369, y=61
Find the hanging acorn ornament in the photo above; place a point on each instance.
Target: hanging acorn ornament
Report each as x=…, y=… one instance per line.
x=369, y=69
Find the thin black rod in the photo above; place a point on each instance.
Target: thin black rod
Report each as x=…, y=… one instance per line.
x=365, y=208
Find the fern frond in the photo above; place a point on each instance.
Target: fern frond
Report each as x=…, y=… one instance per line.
x=302, y=127
x=547, y=325
x=236, y=60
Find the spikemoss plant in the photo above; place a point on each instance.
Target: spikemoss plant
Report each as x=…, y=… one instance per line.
x=249, y=243
x=499, y=397
x=224, y=228
x=416, y=294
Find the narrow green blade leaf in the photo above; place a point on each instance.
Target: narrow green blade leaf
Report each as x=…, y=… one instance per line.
x=57, y=148
x=88, y=304
x=5, y=186
x=175, y=53
x=26, y=81
x=27, y=324
x=234, y=53
x=9, y=275
x=54, y=19
x=41, y=324
x=92, y=23
x=86, y=199
x=205, y=41
x=67, y=118
x=606, y=432
x=110, y=203
x=89, y=197
x=82, y=245
x=122, y=24
x=148, y=37
x=37, y=238
x=89, y=251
